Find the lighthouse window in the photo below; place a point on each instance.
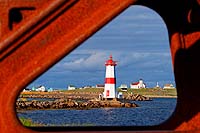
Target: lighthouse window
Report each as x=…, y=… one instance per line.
x=121, y=76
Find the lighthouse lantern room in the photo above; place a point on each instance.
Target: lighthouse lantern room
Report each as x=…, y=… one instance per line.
x=110, y=80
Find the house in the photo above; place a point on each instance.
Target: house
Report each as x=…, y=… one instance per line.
x=40, y=88
x=100, y=86
x=26, y=90
x=71, y=87
x=138, y=85
x=88, y=86
x=168, y=86
x=123, y=87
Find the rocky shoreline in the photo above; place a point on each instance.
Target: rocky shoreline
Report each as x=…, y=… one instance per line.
x=74, y=101
x=71, y=104
x=83, y=96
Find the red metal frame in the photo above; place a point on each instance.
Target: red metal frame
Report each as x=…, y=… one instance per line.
x=34, y=35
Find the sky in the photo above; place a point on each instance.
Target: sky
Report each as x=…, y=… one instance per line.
x=137, y=39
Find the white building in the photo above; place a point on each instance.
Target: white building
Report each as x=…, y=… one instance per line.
x=138, y=85
x=100, y=86
x=40, y=88
x=123, y=87
x=168, y=86
x=71, y=87
x=87, y=86
x=26, y=90
x=157, y=86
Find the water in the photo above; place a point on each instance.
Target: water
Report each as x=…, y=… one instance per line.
x=149, y=113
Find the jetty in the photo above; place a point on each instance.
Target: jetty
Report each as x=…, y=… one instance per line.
x=74, y=100
x=72, y=104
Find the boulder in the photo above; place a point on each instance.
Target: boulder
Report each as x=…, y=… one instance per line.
x=127, y=105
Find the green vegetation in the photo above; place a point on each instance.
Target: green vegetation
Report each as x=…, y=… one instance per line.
x=29, y=123
x=150, y=92
x=154, y=92
x=92, y=90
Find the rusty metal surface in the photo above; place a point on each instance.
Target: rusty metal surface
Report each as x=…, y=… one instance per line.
x=35, y=34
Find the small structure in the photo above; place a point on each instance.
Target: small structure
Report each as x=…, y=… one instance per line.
x=87, y=86
x=50, y=90
x=168, y=86
x=110, y=80
x=157, y=86
x=120, y=95
x=71, y=87
x=138, y=85
x=100, y=96
x=33, y=89
x=100, y=86
x=40, y=88
x=26, y=90
x=123, y=87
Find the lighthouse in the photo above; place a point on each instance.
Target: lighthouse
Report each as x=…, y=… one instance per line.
x=110, y=80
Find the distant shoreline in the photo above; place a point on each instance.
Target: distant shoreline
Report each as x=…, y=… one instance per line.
x=94, y=93
x=151, y=96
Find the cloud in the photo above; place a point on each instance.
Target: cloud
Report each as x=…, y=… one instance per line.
x=94, y=62
x=143, y=59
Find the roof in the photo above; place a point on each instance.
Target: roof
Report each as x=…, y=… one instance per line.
x=100, y=85
x=123, y=86
x=135, y=83
x=110, y=62
x=41, y=86
x=71, y=86
x=168, y=85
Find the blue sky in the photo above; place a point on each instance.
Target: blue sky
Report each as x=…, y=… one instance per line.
x=137, y=39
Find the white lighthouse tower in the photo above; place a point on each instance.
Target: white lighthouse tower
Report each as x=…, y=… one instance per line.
x=110, y=80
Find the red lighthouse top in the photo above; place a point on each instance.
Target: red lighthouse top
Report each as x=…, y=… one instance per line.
x=111, y=62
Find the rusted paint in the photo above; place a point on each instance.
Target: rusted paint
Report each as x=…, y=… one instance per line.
x=55, y=28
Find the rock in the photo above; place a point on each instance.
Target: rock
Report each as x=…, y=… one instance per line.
x=127, y=105
x=137, y=97
x=115, y=104
x=122, y=104
x=134, y=105
x=69, y=103
x=84, y=104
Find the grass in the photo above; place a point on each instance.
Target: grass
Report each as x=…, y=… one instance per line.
x=154, y=92
x=28, y=122
x=151, y=92
x=89, y=90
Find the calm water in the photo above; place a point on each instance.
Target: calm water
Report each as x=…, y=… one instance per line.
x=149, y=113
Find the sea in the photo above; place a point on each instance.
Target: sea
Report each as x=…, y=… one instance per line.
x=149, y=113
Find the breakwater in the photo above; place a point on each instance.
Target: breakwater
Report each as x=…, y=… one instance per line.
x=71, y=104
x=83, y=100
